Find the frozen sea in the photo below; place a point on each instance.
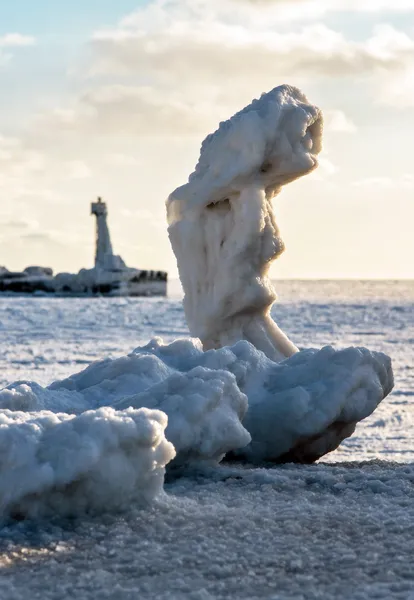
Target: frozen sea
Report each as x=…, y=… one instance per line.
x=342, y=528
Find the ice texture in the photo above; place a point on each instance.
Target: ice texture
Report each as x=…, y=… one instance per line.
x=100, y=460
x=221, y=223
x=95, y=441
x=108, y=448
x=299, y=409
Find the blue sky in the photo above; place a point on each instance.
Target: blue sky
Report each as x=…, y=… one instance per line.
x=49, y=19
x=113, y=98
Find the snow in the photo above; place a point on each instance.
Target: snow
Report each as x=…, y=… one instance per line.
x=225, y=216
x=101, y=460
x=341, y=528
x=112, y=451
x=297, y=410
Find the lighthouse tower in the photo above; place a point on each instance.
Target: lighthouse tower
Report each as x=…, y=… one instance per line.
x=104, y=256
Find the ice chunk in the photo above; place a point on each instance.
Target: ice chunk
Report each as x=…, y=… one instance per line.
x=100, y=460
x=298, y=409
x=205, y=409
x=301, y=408
x=107, y=448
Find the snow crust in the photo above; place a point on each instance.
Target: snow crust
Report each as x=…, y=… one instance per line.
x=225, y=216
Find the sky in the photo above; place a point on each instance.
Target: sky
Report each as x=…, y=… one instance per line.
x=113, y=99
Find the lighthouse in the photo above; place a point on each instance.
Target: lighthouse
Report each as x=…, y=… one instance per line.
x=105, y=259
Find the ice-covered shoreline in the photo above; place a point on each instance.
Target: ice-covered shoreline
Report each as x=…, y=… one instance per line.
x=322, y=531
x=339, y=528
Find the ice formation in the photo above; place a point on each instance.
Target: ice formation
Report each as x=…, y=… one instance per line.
x=84, y=442
x=224, y=235
x=100, y=460
x=96, y=440
x=222, y=226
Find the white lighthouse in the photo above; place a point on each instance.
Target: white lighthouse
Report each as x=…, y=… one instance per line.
x=105, y=259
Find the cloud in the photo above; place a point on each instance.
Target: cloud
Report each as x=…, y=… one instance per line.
x=18, y=224
x=132, y=110
x=176, y=68
x=118, y=159
x=16, y=157
x=337, y=121
x=398, y=91
x=13, y=40
x=77, y=169
x=325, y=170
x=212, y=52
x=199, y=57
x=39, y=237
x=405, y=181
x=325, y=6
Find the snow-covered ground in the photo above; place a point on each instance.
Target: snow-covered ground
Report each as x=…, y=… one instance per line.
x=342, y=528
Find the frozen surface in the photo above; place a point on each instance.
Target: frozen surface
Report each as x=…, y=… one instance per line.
x=342, y=528
x=60, y=438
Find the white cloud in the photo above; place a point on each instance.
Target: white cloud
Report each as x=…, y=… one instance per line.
x=405, y=181
x=211, y=51
x=338, y=122
x=325, y=6
x=201, y=61
x=77, y=169
x=132, y=110
x=18, y=224
x=398, y=90
x=119, y=159
x=14, y=40
x=325, y=170
x=370, y=182
x=16, y=159
x=178, y=67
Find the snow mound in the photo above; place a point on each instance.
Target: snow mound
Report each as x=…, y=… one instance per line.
x=100, y=460
x=108, y=449
x=301, y=408
x=95, y=441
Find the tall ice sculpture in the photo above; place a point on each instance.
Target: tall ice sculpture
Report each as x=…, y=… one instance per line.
x=224, y=214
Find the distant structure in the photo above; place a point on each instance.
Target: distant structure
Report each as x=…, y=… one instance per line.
x=104, y=256
x=103, y=240
x=109, y=277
